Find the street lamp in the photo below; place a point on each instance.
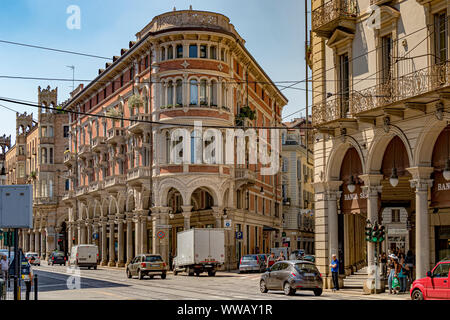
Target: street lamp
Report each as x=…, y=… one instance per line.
x=394, y=178
x=351, y=186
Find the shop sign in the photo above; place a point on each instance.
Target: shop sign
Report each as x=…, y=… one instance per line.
x=397, y=231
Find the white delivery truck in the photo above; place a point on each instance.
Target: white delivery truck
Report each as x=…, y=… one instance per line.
x=200, y=250
x=84, y=255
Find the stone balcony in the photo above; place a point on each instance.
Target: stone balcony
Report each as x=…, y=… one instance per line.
x=68, y=195
x=137, y=124
x=138, y=174
x=45, y=201
x=333, y=14
x=116, y=136
x=98, y=144
x=245, y=175
x=115, y=182
x=95, y=186
x=410, y=91
x=69, y=158
x=47, y=140
x=84, y=151
x=80, y=191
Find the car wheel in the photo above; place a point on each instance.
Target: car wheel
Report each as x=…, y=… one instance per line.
x=95, y=268
x=140, y=275
x=151, y=277
x=211, y=273
x=262, y=286
x=128, y=274
x=190, y=272
x=317, y=292
x=287, y=289
x=163, y=276
x=197, y=274
x=417, y=295
x=175, y=272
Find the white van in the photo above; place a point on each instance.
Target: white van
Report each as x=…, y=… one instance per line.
x=84, y=255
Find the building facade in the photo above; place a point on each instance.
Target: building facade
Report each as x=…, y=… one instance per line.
x=380, y=107
x=5, y=144
x=297, y=188
x=127, y=194
x=37, y=159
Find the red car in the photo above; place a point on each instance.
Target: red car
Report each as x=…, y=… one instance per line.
x=436, y=285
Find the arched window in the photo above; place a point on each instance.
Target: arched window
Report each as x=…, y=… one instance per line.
x=43, y=155
x=196, y=147
x=224, y=96
x=203, y=100
x=51, y=156
x=194, y=92
x=193, y=51
x=213, y=52
x=163, y=54
x=179, y=92
x=170, y=93
x=170, y=52
x=214, y=93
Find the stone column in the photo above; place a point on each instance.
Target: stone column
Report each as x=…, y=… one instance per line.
x=155, y=222
x=372, y=188
x=79, y=239
x=129, y=237
x=164, y=243
x=88, y=226
x=332, y=196
x=187, y=216
x=37, y=242
x=143, y=222
x=82, y=226
x=22, y=240
x=27, y=240
x=32, y=243
x=421, y=182
x=218, y=214
x=104, y=244
x=120, y=258
x=112, y=252
x=137, y=234
x=43, y=244
x=96, y=231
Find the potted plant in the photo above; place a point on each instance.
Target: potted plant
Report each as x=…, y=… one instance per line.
x=135, y=101
x=114, y=114
x=162, y=107
x=169, y=106
x=33, y=174
x=178, y=105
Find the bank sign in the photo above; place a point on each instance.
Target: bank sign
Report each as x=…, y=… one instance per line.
x=353, y=202
x=440, y=191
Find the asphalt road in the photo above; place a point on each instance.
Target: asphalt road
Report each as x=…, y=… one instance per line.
x=60, y=283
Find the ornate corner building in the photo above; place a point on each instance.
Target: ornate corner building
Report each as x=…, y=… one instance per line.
x=127, y=195
x=37, y=159
x=380, y=106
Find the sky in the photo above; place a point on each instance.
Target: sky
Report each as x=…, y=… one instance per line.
x=274, y=32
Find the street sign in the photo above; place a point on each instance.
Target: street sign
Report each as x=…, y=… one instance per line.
x=160, y=234
x=95, y=236
x=227, y=223
x=16, y=208
x=239, y=235
x=283, y=234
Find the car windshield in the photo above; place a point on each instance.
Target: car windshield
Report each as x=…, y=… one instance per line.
x=153, y=259
x=306, y=267
x=249, y=258
x=58, y=254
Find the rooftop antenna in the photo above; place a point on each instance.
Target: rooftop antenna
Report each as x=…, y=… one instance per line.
x=73, y=76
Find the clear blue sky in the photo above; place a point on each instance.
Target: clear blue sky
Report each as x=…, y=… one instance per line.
x=274, y=31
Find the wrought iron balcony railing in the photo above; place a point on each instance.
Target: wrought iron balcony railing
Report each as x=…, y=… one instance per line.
x=330, y=110
x=328, y=17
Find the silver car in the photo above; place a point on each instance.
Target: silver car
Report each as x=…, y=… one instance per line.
x=252, y=262
x=291, y=276
x=147, y=265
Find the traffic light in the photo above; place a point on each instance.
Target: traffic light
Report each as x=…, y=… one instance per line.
x=368, y=233
x=375, y=233
x=382, y=234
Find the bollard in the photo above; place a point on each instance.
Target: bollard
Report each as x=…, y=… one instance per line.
x=35, y=287
x=15, y=288
x=28, y=289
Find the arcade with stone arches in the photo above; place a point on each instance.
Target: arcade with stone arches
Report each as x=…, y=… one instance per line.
x=395, y=177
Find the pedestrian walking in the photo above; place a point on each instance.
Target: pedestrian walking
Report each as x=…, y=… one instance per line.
x=281, y=257
x=410, y=264
x=271, y=260
x=334, y=265
x=391, y=266
x=4, y=267
x=383, y=261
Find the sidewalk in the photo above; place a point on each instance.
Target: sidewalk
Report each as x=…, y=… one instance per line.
x=379, y=296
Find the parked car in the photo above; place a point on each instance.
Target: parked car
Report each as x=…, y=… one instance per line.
x=310, y=258
x=147, y=265
x=84, y=255
x=435, y=286
x=252, y=262
x=291, y=276
x=33, y=258
x=57, y=257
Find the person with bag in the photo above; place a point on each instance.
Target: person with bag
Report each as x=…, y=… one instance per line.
x=391, y=265
x=403, y=274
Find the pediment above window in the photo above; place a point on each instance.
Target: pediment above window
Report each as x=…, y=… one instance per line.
x=388, y=15
x=340, y=38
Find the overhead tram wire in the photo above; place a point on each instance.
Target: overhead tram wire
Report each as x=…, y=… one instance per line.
x=138, y=120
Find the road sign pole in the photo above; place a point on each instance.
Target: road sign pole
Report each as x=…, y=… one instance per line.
x=17, y=262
